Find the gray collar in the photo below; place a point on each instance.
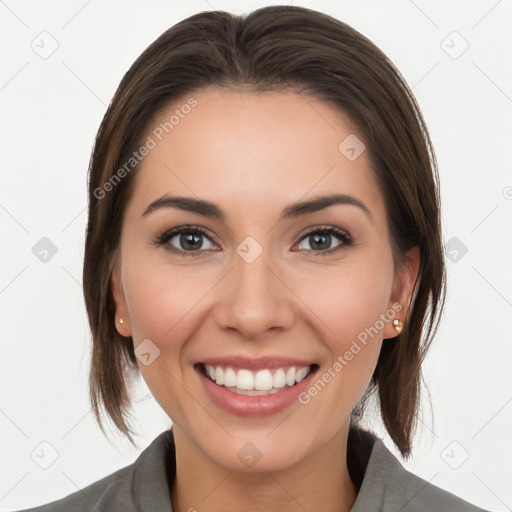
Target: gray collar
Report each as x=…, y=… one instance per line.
x=386, y=484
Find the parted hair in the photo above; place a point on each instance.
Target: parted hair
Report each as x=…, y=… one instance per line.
x=274, y=48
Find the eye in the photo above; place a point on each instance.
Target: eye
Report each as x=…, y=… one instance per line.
x=321, y=238
x=190, y=240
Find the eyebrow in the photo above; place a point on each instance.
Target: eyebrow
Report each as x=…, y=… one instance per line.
x=212, y=210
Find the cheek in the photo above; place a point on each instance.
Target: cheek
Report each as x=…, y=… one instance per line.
x=347, y=299
x=161, y=297
x=163, y=303
x=347, y=307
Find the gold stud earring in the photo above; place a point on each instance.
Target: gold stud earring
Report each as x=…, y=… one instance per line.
x=397, y=325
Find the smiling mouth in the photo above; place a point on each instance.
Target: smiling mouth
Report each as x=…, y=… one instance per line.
x=256, y=383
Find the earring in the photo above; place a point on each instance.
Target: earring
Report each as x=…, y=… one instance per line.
x=121, y=321
x=397, y=325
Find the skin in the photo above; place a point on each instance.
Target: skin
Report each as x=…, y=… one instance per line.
x=254, y=154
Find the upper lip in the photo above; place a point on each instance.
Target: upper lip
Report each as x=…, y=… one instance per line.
x=260, y=363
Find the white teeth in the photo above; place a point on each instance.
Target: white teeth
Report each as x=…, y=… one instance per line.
x=247, y=382
x=263, y=380
x=230, y=377
x=301, y=374
x=290, y=377
x=279, y=379
x=244, y=380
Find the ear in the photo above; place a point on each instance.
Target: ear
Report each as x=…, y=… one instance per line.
x=124, y=329
x=402, y=290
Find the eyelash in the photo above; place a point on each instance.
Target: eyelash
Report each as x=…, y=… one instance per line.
x=162, y=239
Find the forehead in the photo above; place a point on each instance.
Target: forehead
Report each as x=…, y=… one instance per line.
x=247, y=148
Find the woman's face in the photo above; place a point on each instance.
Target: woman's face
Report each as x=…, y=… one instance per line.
x=260, y=280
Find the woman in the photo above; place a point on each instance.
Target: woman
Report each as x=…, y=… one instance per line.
x=264, y=247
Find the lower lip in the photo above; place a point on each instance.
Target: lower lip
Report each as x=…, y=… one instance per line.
x=262, y=405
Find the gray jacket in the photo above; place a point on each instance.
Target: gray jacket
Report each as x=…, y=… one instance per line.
x=383, y=484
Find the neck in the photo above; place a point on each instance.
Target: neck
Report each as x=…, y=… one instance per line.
x=320, y=481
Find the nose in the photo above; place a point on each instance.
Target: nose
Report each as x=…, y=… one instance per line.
x=255, y=298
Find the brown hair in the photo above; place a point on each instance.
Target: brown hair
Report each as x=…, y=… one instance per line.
x=271, y=49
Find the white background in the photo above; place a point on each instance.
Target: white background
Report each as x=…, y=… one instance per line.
x=50, y=111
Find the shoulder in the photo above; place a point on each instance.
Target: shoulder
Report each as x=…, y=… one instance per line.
x=142, y=485
x=111, y=493
x=387, y=482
